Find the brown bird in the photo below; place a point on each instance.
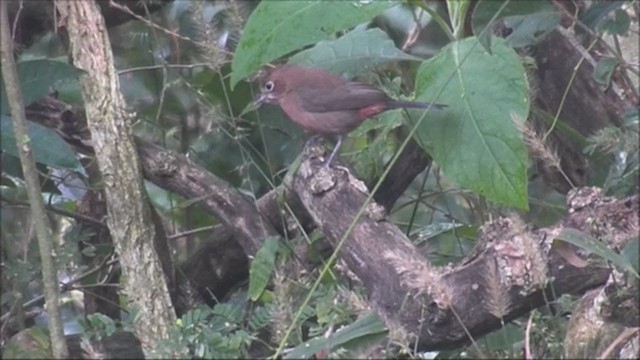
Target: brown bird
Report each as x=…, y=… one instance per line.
x=323, y=103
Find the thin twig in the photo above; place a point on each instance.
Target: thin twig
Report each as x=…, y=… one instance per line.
x=191, y=232
x=527, y=338
x=62, y=212
x=156, y=67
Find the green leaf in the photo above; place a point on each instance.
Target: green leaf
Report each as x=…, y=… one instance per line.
x=475, y=140
x=262, y=266
x=276, y=28
x=48, y=147
x=604, y=69
x=504, y=339
x=599, y=12
x=616, y=25
x=369, y=328
x=591, y=244
x=530, y=21
x=38, y=78
x=353, y=54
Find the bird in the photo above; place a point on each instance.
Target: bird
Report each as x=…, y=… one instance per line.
x=325, y=104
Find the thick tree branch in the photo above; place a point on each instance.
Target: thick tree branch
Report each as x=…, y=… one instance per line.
x=410, y=164
x=175, y=173
x=512, y=270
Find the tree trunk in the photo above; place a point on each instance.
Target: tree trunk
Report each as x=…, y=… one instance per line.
x=129, y=217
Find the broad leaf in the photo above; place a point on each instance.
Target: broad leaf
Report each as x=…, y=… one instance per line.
x=262, y=266
x=353, y=54
x=530, y=21
x=48, y=147
x=475, y=140
x=39, y=78
x=276, y=28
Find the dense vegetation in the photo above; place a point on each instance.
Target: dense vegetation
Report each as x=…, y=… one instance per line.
x=184, y=222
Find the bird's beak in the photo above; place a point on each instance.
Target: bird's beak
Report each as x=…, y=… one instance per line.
x=259, y=100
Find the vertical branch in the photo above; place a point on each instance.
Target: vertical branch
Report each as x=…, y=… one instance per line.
x=129, y=217
x=43, y=232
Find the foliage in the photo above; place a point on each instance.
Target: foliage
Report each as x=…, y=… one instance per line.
x=38, y=78
x=186, y=88
x=490, y=157
x=97, y=326
x=211, y=333
x=368, y=329
x=261, y=267
x=529, y=21
x=48, y=147
x=353, y=54
x=624, y=144
x=268, y=32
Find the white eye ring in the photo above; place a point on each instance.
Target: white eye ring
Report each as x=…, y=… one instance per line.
x=269, y=86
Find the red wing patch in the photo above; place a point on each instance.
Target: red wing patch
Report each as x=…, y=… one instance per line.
x=371, y=110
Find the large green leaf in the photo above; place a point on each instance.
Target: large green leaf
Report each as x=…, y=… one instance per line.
x=38, y=78
x=276, y=28
x=353, y=54
x=48, y=147
x=475, y=140
x=529, y=21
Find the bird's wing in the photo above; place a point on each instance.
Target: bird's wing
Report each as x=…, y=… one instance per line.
x=348, y=96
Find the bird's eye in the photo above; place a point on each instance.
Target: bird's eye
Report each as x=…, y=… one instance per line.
x=269, y=86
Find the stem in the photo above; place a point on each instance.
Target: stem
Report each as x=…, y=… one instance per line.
x=43, y=232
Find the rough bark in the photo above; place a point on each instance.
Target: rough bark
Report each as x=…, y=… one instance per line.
x=511, y=271
x=175, y=173
x=594, y=331
x=128, y=218
x=564, y=64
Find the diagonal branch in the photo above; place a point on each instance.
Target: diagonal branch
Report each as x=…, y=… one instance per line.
x=512, y=270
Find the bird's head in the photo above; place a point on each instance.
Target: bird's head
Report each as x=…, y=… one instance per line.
x=275, y=84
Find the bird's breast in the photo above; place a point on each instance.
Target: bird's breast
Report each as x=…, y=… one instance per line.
x=323, y=123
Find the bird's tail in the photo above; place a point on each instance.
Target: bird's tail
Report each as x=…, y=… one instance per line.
x=414, y=105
